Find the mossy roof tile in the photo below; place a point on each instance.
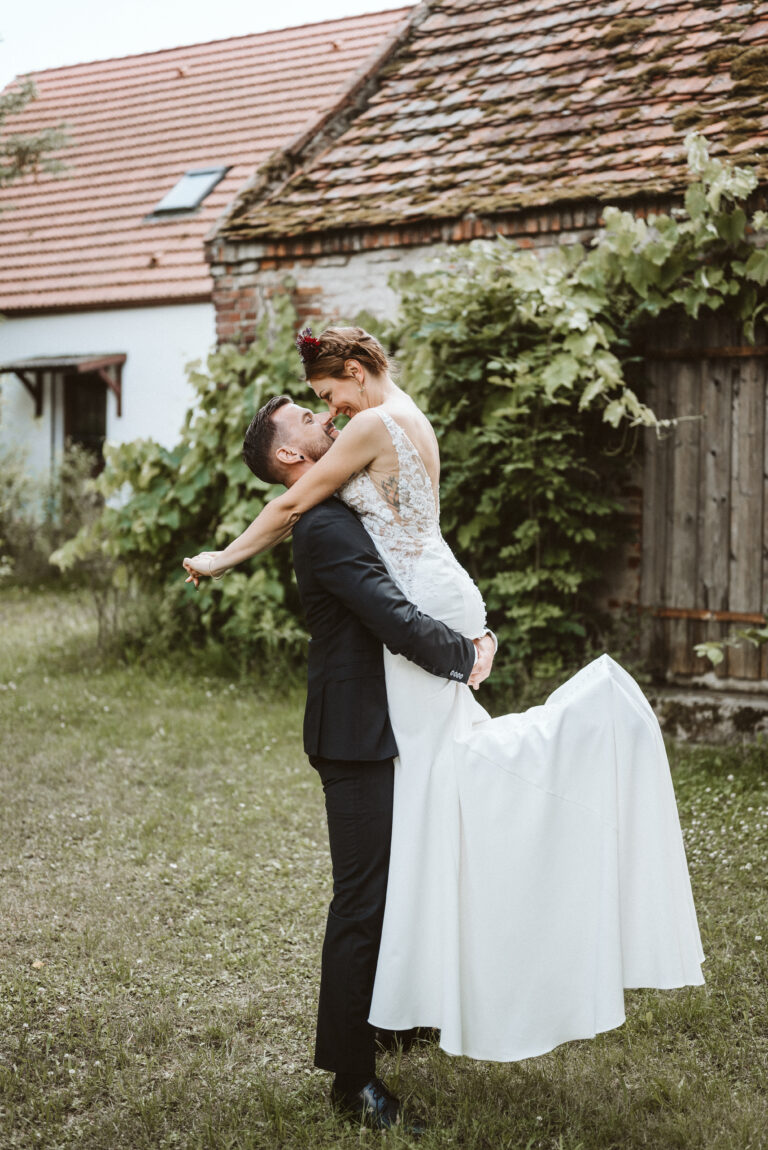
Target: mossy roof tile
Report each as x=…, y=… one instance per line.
x=486, y=104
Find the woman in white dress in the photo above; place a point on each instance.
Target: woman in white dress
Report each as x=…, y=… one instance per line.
x=537, y=864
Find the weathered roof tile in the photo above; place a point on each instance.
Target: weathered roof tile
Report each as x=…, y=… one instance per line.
x=490, y=105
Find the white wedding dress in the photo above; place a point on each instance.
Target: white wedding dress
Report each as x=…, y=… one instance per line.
x=537, y=863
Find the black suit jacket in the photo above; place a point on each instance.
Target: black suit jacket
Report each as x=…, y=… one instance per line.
x=352, y=606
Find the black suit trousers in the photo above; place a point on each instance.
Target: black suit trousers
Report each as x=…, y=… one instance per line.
x=358, y=803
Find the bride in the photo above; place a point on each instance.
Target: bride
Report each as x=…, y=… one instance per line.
x=537, y=864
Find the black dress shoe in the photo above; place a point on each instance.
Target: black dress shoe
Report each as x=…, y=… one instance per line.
x=377, y=1107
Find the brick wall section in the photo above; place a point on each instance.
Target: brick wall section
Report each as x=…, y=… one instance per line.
x=343, y=272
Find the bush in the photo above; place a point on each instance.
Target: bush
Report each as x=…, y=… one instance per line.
x=162, y=504
x=36, y=516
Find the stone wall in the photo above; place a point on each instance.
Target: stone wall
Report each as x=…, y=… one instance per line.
x=331, y=285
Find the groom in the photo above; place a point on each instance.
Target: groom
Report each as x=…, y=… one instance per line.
x=352, y=607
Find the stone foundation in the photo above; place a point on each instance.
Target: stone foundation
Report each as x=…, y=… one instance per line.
x=701, y=716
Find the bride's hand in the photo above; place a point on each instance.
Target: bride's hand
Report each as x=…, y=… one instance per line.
x=201, y=565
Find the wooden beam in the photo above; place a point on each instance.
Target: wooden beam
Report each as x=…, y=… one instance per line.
x=759, y=351
x=113, y=381
x=707, y=616
x=34, y=386
x=745, y=577
x=87, y=365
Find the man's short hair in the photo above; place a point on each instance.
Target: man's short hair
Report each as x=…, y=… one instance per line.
x=261, y=439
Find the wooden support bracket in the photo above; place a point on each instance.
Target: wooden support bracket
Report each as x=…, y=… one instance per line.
x=112, y=376
x=33, y=381
x=109, y=369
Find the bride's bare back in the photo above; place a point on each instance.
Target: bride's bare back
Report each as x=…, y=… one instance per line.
x=384, y=468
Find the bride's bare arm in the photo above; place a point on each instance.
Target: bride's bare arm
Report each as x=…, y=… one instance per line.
x=353, y=449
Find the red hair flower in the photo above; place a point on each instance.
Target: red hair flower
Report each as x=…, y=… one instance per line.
x=308, y=346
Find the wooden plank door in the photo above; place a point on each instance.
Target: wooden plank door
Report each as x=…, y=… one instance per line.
x=705, y=505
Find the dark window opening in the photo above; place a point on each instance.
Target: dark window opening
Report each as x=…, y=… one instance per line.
x=85, y=415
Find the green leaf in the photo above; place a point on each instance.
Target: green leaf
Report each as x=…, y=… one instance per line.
x=594, y=388
x=614, y=412
x=696, y=204
x=712, y=651
x=757, y=267
x=563, y=371
x=731, y=226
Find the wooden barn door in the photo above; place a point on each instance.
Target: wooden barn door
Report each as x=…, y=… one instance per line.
x=705, y=504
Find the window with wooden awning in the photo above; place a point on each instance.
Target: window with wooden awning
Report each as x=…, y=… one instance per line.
x=31, y=372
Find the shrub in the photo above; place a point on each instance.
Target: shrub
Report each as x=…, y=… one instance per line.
x=162, y=504
x=37, y=515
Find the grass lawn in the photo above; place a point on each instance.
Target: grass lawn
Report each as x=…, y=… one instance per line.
x=165, y=878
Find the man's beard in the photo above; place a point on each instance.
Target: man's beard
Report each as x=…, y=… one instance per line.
x=315, y=451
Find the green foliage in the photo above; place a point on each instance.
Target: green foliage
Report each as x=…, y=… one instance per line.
x=22, y=153
x=528, y=365
x=200, y=493
x=715, y=649
x=38, y=515
x=501, y=354
x=16, y=509
x=524, y=362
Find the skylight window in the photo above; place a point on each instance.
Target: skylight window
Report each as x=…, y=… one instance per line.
x=190, y=191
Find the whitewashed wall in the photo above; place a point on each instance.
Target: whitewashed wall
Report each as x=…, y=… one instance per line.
x=158, y=342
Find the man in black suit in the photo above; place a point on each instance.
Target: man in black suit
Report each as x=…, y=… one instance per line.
x=352, y=607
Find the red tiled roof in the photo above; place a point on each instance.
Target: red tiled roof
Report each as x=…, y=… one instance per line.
x=492, y=105
x=136, y=125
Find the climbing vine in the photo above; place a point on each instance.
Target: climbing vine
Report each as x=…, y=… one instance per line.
x=161, y=504
x=530, y=366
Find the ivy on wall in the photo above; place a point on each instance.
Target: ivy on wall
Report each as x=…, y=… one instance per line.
x=525, y=364
x=524, y=361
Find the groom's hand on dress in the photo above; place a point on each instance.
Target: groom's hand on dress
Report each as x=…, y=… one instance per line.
x=485, y=647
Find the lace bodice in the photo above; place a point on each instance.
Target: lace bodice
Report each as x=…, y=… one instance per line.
x=402, y=516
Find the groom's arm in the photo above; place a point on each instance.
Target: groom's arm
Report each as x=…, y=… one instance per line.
x=346, y=563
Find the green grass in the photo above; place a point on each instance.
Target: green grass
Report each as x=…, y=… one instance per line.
x=164, y=883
